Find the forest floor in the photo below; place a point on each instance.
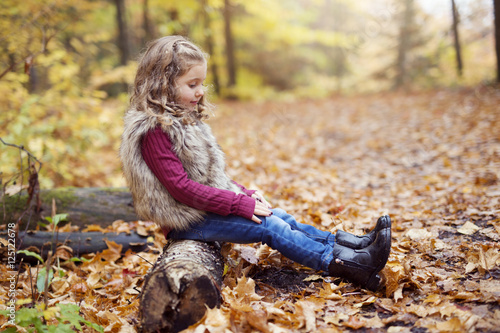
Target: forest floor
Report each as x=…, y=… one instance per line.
x=431, y=160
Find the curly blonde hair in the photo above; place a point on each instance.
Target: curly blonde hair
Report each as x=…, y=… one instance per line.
x=154, y=90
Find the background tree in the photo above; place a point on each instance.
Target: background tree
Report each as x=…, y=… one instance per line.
x=149, y=29
x=497, y=35
x=63, y=73
x=123, y=35
x=209, y=42
x=228, y=35
x=404, y=43
x=456, y=39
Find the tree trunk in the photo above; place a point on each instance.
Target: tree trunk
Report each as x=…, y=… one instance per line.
x=210, y=45
x=458, y=50
x=496, y=4
x=184, y=280
x=231, y=67
x=180, y=28
x=123, y=38
x=84, y=206
x=149, y=33
x=404, y=44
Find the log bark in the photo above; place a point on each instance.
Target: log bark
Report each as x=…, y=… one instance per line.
x=84, y=206
x=185, y=279
x=78, y=243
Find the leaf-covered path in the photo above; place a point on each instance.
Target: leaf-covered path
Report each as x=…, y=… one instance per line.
x=430, y=160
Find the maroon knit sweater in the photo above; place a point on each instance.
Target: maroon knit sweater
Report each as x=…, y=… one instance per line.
x=157, y=152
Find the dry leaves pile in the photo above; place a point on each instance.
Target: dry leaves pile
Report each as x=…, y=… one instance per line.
x=430, y=160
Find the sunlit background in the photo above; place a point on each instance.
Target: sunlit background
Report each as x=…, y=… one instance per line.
x=65, y=66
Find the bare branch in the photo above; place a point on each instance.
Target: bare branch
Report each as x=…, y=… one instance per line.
x=23, y=149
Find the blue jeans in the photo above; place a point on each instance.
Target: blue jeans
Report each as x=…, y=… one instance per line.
x=299, y=242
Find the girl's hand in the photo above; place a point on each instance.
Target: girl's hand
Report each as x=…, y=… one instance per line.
x=261, y=209
x=259, y=197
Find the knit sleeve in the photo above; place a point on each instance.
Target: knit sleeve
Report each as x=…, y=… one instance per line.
x=157, y=152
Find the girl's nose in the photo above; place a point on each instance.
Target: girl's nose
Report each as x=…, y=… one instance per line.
x=200, y=92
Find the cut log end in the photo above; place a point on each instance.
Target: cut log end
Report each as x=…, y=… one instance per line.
x=179, y=288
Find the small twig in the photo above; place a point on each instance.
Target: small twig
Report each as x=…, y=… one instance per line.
x=134, y=297
x=144, y=259
x=46, y=289
x=2, y=195
x=37, y=268
x=31, y=284
x=26, y=151
x=33, y=182
x=25, y=229
x=353, y=293
x=19, y=271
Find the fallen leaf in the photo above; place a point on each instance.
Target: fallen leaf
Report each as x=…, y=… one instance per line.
x=419, y=234
x=468, y=228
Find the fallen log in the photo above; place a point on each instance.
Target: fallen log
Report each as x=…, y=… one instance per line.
x=80, y=243
x=185, y=279
x=84, y=206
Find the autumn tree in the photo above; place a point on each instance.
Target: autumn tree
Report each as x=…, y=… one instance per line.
x=496, y=4
x=456, y=39
x=209, y=42
x=404, y=43
x=49, y=102
x=335, y=16
x=123, y=39
x=148, y=26
x=228, y=36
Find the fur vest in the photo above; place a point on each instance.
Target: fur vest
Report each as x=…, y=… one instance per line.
x=201, y=157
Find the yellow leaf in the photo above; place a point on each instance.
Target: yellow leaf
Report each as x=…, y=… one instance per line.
x=418, y=234
x=368, y=301
x=113, y=252
x=308, y=313
x=50, y=312
x=93, y=279
x=313, y=277
x=468, y=228
x=245, y=290
x=452, y=325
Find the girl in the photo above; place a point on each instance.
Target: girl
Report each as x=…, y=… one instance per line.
x=175, y=170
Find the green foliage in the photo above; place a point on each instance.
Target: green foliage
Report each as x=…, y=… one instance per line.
x=32, y=254
x=56, y=219
x=44, y=279
x=46, y=102
x=59, y=318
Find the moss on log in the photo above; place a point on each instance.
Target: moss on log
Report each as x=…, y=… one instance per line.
x=84, y=206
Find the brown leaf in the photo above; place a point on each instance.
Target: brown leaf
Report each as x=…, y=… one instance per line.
x=113, y=252
x=258, y=320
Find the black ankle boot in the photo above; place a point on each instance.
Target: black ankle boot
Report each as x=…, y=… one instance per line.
x=360, y=242
x=361, y=266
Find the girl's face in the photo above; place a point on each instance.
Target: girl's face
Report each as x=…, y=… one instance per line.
x=190, y=86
